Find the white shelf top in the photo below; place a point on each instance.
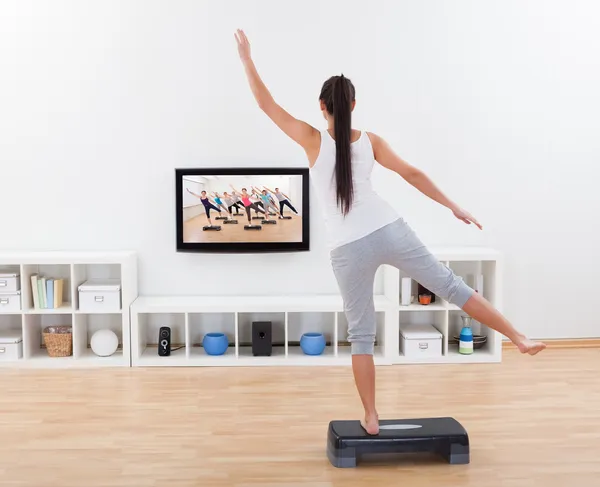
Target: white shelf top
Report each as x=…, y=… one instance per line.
x=224, y=304
x=465, y=253
x=65, y=257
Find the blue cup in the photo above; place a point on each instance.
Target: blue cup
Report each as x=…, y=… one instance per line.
x=312, y=343
x=215, y=343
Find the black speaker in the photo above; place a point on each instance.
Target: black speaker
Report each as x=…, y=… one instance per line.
x=262, y=338
x=164, y=341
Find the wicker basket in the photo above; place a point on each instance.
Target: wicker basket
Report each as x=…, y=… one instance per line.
x=59, y=341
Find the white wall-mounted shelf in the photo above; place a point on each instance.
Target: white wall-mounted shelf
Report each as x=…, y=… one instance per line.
x=75, y=268
x=190, y=317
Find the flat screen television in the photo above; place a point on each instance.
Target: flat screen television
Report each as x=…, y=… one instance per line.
x=242, y=209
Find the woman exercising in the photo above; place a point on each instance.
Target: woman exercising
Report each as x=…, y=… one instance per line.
x=266, y=200
x=283, y=201
x=341, y=160
x=237, y=200
x=221, y=204
x=249, y=205
x=232, y=202
x=207, y=204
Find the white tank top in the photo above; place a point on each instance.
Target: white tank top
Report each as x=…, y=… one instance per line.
x=369, y=211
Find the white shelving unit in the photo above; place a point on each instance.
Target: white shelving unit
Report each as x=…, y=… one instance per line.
x=468, y=263
x=191, y=317
x=75, y=268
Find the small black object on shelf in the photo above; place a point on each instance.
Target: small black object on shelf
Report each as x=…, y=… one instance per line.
x=262, y=338
x=164, y=341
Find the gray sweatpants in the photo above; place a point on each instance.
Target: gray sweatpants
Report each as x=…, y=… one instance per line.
x=355, y=264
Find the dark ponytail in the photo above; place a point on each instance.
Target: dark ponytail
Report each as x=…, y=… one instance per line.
x=338, y=94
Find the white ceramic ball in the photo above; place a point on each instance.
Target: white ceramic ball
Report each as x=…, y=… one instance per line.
x=104, y=343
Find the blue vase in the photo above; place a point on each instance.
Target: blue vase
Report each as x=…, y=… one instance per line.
x=215, y=343
x=312, y=343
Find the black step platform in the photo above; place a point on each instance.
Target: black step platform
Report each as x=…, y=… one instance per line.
x=215, y=228
x=347, y=440
x=269, y=222
x=230, y=222
x=221, y=218
x=285, y=217
x=252, y=227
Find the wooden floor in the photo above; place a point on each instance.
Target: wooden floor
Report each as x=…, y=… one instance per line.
x=283, y=231
x=532, y=422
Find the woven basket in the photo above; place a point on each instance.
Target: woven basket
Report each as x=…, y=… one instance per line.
x=58, y=340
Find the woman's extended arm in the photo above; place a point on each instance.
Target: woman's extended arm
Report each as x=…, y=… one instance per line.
x=194, y=194
x=385, y=156
x=299, y=131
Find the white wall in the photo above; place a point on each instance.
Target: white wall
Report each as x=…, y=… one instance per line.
x=497, y=101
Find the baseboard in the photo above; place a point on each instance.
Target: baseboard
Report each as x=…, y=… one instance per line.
x=563, y=343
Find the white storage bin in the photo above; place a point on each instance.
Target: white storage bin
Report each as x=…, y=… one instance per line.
x=420, y=341
x=11, y=345
x=10, y=302
x=9, y=283
x=100, y=296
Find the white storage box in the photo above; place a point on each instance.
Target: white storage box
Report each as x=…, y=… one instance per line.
x=10, y=302
x=9, y=283
x=420, y=341
x=11, y=345
x=100, y=296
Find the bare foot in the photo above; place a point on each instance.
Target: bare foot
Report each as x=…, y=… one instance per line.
x=531, y=347
x=370, y=424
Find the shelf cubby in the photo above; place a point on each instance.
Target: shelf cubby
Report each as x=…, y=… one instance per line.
x=454, y=327
x=33, y=341
x=10, y=321
x=278, y=330
x=85, y=272
x=311, y=322
x=199, y=324
x=87, y=324
x=49, y=271
x=149, y=324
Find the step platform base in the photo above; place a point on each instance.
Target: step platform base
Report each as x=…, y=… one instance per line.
x=446, y=437
x=214, y=228
x=252, y=227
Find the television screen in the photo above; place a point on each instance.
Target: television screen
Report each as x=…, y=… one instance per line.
x=242, y=210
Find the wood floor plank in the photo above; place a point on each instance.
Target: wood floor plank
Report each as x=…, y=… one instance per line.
x=531, y=420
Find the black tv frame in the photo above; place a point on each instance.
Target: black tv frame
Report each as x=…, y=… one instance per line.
x=243, y=247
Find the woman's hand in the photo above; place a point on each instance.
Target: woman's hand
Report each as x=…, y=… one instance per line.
x=243, y=45
x=466, y=217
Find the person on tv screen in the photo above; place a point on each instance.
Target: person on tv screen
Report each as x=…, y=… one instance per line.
x=232, y=202
x=266, y=200
x=248, y=204
x=284, y=200
x=208, y=205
